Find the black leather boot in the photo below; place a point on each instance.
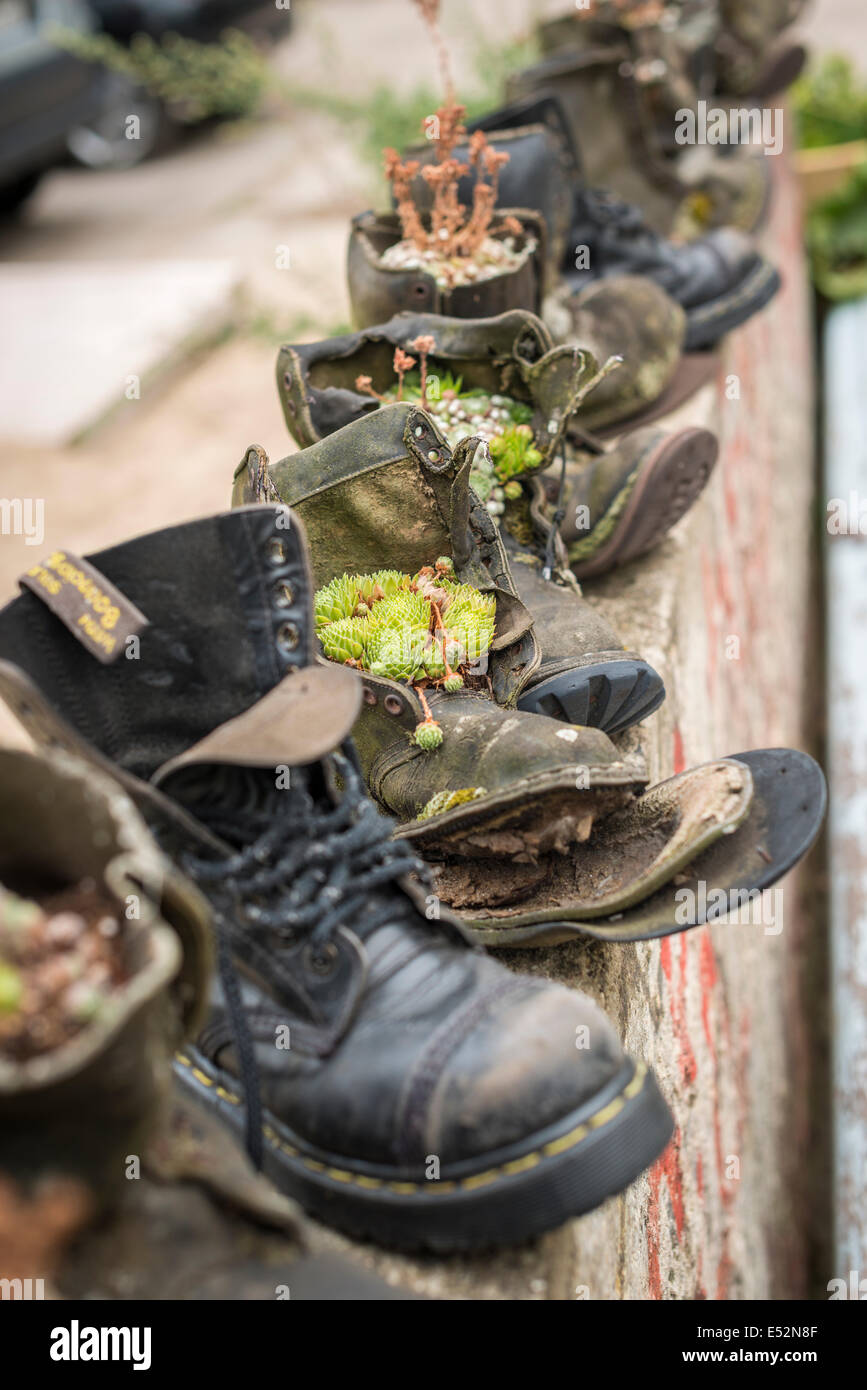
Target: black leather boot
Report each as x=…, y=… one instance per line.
x=398, y=1083
x=720, y=280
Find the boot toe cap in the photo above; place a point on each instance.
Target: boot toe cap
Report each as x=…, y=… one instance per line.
x=534, y=1062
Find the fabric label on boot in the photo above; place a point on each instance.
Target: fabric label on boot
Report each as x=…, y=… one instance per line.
x=92, y=608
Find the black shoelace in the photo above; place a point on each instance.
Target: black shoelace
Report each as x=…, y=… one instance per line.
x=300, y=867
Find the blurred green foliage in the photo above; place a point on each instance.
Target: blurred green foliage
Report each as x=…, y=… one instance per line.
x=837, y=239
x=227, y=80
x=830, y=103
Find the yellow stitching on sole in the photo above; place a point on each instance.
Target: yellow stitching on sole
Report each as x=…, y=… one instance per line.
x=515, y=1165
x=602, y=1118
x=566, y=1141
x=520, y=1165
x=480, y=1179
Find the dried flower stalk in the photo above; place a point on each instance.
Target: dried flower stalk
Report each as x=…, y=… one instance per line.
x=453, y=231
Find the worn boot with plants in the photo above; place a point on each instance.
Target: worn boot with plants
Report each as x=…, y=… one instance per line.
x=539, y=828
x=503, y=379
x=398, y=1083
x=573, y=665
x=624, y=84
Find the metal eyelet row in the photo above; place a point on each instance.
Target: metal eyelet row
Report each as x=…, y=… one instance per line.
x=289, y=633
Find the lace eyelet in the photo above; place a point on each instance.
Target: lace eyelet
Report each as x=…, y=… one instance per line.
x=393, y=704
x=321, y=960
x=284, y=594
x=288, y=637
x=276, y=551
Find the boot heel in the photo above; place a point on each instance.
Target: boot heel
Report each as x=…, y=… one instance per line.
x=610, y=696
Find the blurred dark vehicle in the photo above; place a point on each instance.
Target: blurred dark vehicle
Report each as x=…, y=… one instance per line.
x=195, y=19
x=44, y=92
x=101, y=142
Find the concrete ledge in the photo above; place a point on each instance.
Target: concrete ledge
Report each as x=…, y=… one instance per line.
x=722, y=610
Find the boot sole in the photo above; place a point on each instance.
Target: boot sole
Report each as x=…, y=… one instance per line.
x=607, y=695
x=707, y=323
x=672, y=476
x=501, y=1198
x=789, y=802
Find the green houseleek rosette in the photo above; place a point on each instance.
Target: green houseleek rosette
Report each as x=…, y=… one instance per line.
x=425, y=629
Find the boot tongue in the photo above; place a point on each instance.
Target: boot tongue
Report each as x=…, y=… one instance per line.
x=310, y=712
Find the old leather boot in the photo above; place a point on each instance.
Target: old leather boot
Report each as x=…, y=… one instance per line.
x=719, y=279
x=604, y=88
x=585, y=676
x=619, y=503
x=649, y=328
x=354, y=517
x=533, y=844
x=552, y=367
x=511, y=354
x=400, y=1085
x=376, y=292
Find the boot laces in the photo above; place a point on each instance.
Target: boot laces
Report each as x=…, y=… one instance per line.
x=297, y=867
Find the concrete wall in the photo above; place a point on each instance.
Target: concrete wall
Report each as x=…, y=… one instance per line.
x=723, y=610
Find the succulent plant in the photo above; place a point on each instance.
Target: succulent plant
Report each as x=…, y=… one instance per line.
x=419, y=628
x=381, y=584
x=345, y=639
x=407, y=610
x=396, y=652
x=514, y=452
x=337, y=600
x=428, y=735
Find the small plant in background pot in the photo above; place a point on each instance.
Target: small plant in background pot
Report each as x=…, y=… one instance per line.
x=435, y=252
x=452, y=242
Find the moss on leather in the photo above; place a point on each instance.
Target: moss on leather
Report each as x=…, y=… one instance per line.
x=598, y=534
